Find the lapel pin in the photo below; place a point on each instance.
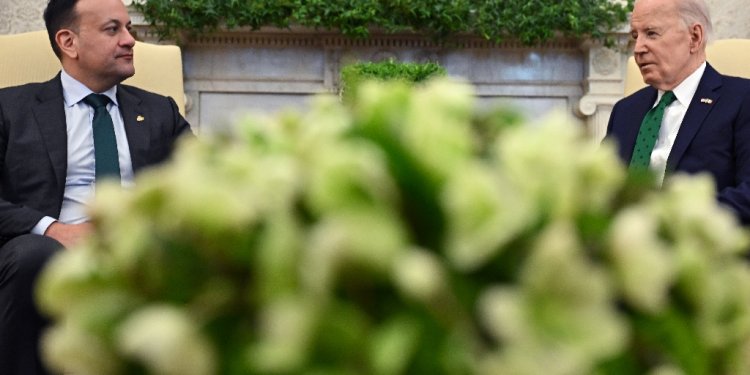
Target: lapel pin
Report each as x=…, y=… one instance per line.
x=706, y=101
x=140, y=118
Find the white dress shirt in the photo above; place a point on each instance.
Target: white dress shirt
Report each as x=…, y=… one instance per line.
x=80, y=178
x=672, y=120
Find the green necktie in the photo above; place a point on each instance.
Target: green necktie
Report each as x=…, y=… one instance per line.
x=105, y=144
x=648, y=133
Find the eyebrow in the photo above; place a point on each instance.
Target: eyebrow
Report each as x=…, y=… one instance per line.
x=646, y=28
x=117, y=22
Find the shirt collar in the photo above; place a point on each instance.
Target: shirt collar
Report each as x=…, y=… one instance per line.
x=685, y=91
x=74, y=91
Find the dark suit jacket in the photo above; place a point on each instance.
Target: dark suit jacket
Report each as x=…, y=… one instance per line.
x=714, y=136
x=33, y=146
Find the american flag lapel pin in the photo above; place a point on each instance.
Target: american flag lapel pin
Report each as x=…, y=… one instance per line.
x=706, y=101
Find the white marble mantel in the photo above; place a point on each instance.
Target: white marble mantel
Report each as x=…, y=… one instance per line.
x=229, y=73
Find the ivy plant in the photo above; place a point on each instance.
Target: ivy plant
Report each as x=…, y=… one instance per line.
x=530, y=21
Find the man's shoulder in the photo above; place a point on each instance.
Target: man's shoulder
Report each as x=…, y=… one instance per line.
x=30, y=93
x=141, y=93
x=738, y=83
x=645, y=95
x=131, y=94
x=20, y=90
x=715, y=80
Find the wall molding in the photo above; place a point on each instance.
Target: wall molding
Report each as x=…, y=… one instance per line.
x=304, y=37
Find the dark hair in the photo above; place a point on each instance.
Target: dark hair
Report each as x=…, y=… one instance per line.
x=59, y=14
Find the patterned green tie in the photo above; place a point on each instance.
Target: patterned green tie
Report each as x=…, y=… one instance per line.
x=648, y=133
x=105, y=144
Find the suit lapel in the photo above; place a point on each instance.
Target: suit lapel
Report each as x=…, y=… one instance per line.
x=136, y=125
x=695, y=115
x=49, y=114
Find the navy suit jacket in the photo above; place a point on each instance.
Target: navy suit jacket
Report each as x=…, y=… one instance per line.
x=714, y=136
x=34, y=146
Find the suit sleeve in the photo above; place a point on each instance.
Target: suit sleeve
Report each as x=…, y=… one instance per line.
x=610, y=123
x=616, y=130
x=737, y=197
x=15, y=219
x=180, y=127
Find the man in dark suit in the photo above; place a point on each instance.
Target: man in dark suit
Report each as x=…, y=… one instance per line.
x=706, y=127
x=57, y=139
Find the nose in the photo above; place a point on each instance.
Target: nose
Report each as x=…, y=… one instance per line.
x=127, y=39
x=640, y=46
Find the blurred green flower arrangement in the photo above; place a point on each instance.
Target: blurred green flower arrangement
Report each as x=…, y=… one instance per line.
x=388, y=237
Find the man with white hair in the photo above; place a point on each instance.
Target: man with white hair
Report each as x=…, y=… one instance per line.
x=690, y=118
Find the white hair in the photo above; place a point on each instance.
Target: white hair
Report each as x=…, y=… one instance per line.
x=695, y=11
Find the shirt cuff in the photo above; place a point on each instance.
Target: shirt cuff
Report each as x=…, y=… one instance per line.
x=42, y=225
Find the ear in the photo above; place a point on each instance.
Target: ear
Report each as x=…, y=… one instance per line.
x=697, y=37
x=67, y=41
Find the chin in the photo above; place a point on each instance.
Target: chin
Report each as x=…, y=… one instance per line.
x=125, y=74
x=651, y=81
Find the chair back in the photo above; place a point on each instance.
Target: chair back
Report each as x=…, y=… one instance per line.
x=729, y=57
x=28, y=57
